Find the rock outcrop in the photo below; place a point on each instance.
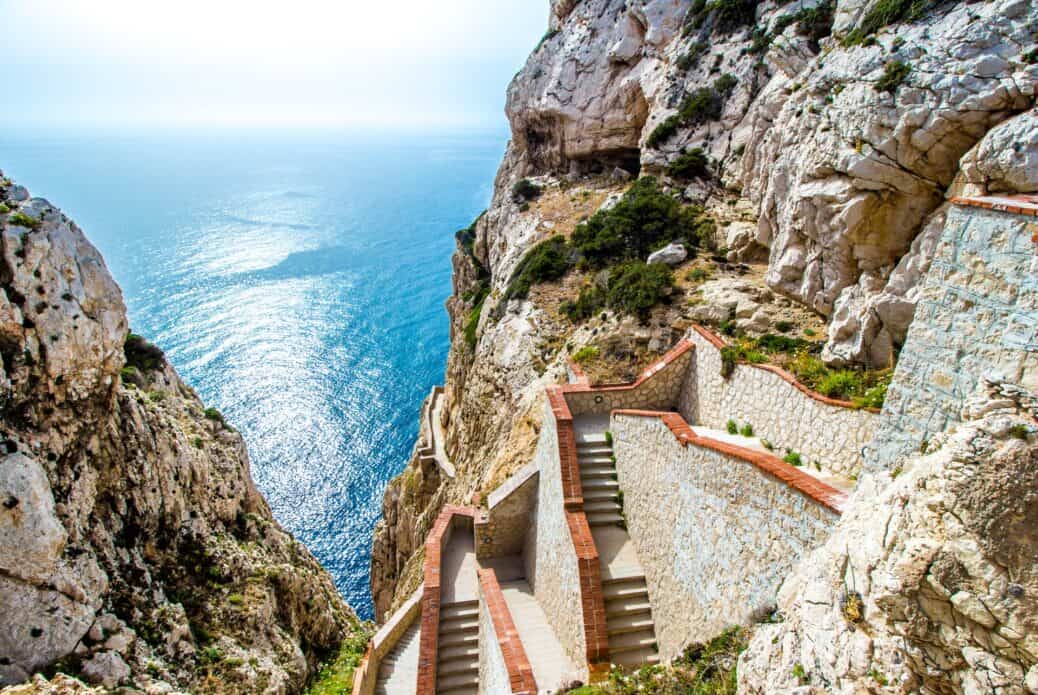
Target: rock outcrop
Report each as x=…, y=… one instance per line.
x=929, y=582
x=833, y=140
x=134, y=547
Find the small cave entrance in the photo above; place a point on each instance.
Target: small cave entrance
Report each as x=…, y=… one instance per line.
x=627, y=159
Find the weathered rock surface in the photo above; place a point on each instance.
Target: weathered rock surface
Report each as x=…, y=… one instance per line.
x=671, y=254
x=929, y=583
x=134, y=546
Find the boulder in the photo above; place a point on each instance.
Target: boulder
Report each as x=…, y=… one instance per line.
x=107, y=669
x=672, y=254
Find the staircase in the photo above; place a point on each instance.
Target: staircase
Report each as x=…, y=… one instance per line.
x=399, y=669
x=598, y=481
x=632, y=636
x=457, y=667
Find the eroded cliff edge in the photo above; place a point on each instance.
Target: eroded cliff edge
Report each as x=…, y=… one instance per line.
x=833, y=135
x=134, y=547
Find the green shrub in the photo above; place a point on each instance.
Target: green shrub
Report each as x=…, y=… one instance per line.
x=640, y=222
x=142, y=354
x=590, y=301
x=783, y=326
x=793, y=459
x=4, y=208
x=690, y=58
x=20, y=219
x=746, y=431
x=547, y=261
x=690, y=165
x=733, y=427
x=664, y=131
x=742, y=351
x=236, y=599
x=873, y=397
x=894, y=74
x=636, y=287
x=198, y=442
x=525, y=190
x=843, y=383
x=472, y=322
x=131, y=375
x=215, y=415
x=1019, y=431
x=772, y=343
x=1030, y=57
x=585, y=354
x=699, y=106
x=609, y=438
x=698, y=275
x=336, y=675
x=887, y=12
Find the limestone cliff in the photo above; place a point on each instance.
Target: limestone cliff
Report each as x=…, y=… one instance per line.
x=134, y=546
x=834, y=132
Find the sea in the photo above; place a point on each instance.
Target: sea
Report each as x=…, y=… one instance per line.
x=295, y=279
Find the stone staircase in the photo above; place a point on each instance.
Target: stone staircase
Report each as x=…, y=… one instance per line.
x=632, y=635
x=598, y=481
x=457, y=667
x=399, y=669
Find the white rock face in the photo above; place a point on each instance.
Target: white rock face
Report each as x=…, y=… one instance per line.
x=671, y=254
x=929, y=582
x=1005, y=161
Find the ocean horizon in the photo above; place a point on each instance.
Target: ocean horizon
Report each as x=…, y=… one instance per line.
x=296, y=279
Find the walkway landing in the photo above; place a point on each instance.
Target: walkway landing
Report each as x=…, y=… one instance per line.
x=438, y=435
x=458, y=568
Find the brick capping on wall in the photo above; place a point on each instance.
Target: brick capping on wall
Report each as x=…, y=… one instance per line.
x=720, y=343
x=809, y=486
x=584, y=385
x=1018, y=204
x=428, y=643
x=520, y=673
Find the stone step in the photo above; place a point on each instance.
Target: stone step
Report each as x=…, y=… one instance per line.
x=635, y=658
x=601, y=506
x=461, y=683
x=466, y=609
x=632, y=641
x=604, y=519
x=589, y=439
x=639, y=603
x=589, y=457
x=596, y=471
x=600, y=484
x=463, y=624
x=623, y=624
x=456, y=667
x=465, y=650
x=624, y=589
x=455, y=639
x=595, y=495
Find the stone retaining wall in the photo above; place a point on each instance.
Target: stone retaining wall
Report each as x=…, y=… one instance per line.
x=977, y=316
x=509, y=511
x=659, y=386
x=716, y=533
x=786, y=414
x=551, y=563
x=503, y=665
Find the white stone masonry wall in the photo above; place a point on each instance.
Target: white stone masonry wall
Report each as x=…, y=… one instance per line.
x=493, y=673
x=551, y=559
x=977, y=316
x=715, y=535
x=830, y=435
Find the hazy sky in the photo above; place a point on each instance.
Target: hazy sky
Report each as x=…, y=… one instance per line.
x=255, y=62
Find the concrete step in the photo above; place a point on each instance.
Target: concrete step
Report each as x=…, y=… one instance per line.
x=639, y=603
x=459, y=624
x=631, y=641
x=591, y=439
x=635, y=658
x=585, y=458
x=623, y=624
x=461, y=683
x=601, y=506
x=604, y=519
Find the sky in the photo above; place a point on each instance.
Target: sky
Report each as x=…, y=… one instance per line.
x=391, y=64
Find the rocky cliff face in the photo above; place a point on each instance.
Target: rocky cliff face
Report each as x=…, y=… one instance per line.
x=134, y=546
x=834, y=131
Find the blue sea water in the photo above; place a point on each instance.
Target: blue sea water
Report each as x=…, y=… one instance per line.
x=296, y=280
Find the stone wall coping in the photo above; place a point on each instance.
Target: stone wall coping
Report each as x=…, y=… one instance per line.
x=428, y=643
x=584, y=386
x=720, y=343
x=505, y=489
x=436, y=391
x=520, y=673
x=366, y=674
x=811, y=487
x=1020, y=204
x=592, y=599
x=576, y=372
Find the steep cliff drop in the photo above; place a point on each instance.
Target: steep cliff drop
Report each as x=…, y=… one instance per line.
x=134, y=546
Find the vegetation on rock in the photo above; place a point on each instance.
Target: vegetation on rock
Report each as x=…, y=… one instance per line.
x=700, y=106
x=894, y=73
x=336, y=675
x=690, y=165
